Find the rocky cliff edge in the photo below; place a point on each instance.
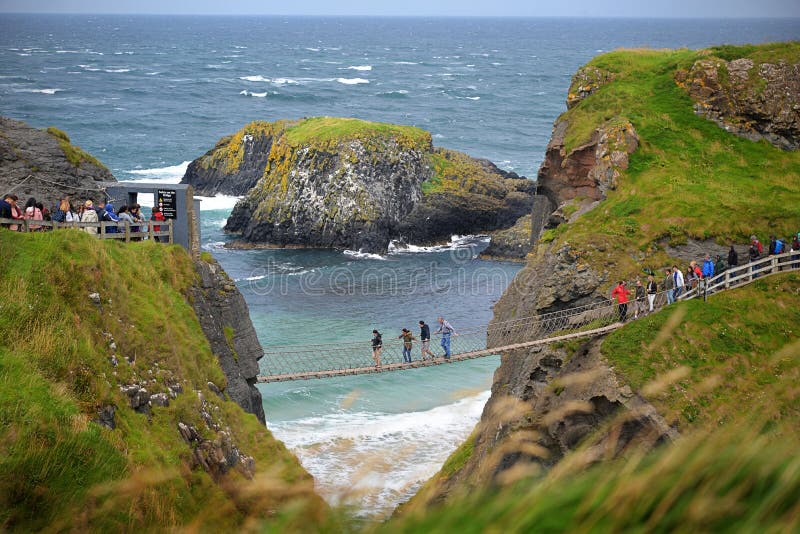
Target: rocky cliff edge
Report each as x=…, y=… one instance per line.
x=44, y=164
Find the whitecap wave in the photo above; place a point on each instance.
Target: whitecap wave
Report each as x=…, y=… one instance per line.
x=171, y=174
x=340, y=450
x=215, y=245
x=456, y=242
x=405, y=63
x=42, y=91
x=288, y=81
x=257, y=95
x=256, y=78
x=352, y=81
x=219, y=202
x=359, y=255
x=360, y=67
x=398, y=92
x=116, y=70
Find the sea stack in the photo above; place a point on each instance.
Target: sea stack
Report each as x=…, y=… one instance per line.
x=351, y=184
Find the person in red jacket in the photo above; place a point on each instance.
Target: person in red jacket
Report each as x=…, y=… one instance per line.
x=159, y=217
x=621, y=293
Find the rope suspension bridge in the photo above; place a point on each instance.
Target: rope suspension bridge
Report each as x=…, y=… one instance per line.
x=303, y=362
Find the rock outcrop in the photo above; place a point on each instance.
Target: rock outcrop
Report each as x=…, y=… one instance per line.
x=754, y=100
x=545, y=403
x=590, y=169
x=45, y=165
x=350, y=184
x=225, y=319
x=234, y=165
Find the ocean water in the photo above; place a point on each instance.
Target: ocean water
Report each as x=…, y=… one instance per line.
x=149, y=94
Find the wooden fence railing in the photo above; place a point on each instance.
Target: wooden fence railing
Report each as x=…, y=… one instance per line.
x=105, y=229
x=744, y=274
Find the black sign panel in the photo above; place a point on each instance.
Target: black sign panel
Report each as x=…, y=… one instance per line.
x=168, y=202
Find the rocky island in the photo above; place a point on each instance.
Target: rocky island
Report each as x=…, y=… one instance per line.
x=351, y=184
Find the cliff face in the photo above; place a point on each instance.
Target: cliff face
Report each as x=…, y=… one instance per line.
x=45, y=165
x=225, y=320
x=345, y=183
x=753, y=99
x=636, y=181
x=246, y=155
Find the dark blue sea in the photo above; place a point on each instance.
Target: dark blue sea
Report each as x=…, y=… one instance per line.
x=146, y=95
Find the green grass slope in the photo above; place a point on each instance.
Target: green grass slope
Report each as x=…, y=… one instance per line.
x=728, y=369
x=689, y=178
x=59, y=470
x=720, y=357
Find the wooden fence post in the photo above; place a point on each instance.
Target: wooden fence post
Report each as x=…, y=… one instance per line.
x=170, y=232
x=127, y=232
x=150, y=230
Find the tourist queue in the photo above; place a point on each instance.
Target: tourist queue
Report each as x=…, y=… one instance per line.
x=676, y=282
x=66, y=212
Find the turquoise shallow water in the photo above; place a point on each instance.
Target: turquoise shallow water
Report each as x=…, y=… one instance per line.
x=148, y=94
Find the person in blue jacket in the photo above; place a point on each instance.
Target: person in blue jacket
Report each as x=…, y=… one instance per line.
x=708, y=267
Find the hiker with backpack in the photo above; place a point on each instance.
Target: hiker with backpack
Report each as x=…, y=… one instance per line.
x=407, y=338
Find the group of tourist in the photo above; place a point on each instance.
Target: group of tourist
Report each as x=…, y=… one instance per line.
x=445, y=329
x=66, y=212
x=676, y=281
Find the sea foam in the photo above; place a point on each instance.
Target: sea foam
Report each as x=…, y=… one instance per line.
x=352, y=81
x=379, y=459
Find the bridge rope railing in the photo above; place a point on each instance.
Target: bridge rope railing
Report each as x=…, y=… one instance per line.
x=601, y=316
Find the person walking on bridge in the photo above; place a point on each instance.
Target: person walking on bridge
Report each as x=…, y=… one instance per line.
x=621, y=293
x=677, y=278
x=407, y=338
x=652, y=290
x=446, y=330
x=669, y=286
x=425, y=340
x=377, y=346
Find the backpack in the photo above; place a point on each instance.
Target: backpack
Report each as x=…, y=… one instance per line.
x=59, y=216
x=796, y=244
x=778, y=246
x=760, y=247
